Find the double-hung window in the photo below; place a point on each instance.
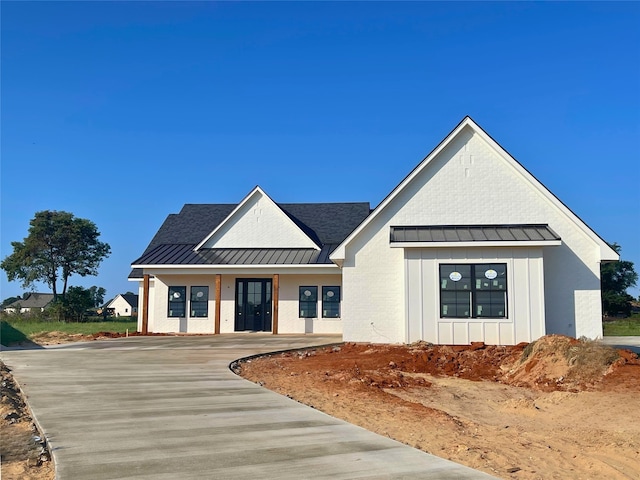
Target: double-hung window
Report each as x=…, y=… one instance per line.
x=308, y=302
x=177, y=301
x=330, y=302
x=473, y=290
x=199, y=301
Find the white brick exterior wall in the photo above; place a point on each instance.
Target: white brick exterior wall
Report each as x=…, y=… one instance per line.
x=390, y=294
x=468, y=183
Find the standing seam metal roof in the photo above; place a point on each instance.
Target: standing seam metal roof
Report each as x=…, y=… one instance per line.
x=185, y=255
x=472, y=233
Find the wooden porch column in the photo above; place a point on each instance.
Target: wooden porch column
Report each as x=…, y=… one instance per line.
x=145, y=304
x=276, y=290
x=216, y=330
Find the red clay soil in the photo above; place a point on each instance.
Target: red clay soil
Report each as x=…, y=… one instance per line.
x=557, y=408
x=56, y=337
x=23, y=451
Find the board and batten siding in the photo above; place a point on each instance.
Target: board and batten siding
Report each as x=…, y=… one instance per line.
x=525, y=297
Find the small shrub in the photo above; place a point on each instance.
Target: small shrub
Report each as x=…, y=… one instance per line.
x=589, y=359
x=528, y=350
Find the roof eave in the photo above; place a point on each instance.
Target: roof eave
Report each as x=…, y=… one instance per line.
x=497, y=243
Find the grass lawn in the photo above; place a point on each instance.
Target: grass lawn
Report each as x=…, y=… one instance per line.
x=623, y=327
x=17, y=330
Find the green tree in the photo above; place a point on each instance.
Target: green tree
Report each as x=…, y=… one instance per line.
x=9, y=300
x=76, y=302
x=97, y=296
x=615, y=278
x=58, y=245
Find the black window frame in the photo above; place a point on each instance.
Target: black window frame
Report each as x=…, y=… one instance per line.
x=172, y=305
x=486, y=294
x=331, y=301
x=308, y=305
x=202, y=304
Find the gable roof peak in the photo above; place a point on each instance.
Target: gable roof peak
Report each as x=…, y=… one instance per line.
x=606, y=252
x=303, y=236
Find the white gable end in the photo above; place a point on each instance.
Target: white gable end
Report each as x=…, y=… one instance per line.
x=258, y=222
x=470, y=180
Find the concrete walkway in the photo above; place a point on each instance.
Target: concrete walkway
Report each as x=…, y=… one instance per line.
x=169, y=407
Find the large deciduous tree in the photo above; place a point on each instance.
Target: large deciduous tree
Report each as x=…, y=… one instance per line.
x=615, y=278
x=58, y=245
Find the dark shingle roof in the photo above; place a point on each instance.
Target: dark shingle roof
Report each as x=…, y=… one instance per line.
x=191, y=225
x=131, y=299
x=327, y=224
x=32, y=300
x=473, y=233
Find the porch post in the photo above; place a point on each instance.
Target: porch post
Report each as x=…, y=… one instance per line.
x=276, y=290
x=145, y=304
x=216, y=330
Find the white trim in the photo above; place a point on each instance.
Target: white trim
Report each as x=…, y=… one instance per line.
x=252, y=193
x=606, y=252
x=479, y=244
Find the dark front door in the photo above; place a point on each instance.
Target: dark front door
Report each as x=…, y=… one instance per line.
x=253, y=304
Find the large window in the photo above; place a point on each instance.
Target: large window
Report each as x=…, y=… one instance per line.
x=473, y=290
x=330, y=302
x=308, y=302
x=199, y=301
x=177, y=301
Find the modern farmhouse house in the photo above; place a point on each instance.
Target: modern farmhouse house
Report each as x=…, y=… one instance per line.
x=468, y=247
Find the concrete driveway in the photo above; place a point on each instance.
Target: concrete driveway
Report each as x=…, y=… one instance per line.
x=630, y=343
x=169, y=407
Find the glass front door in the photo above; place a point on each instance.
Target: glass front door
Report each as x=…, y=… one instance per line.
x=253, y=304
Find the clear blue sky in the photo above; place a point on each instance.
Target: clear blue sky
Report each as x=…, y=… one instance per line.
x=122, y=112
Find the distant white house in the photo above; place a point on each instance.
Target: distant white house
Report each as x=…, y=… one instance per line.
x=469, y=247
x=32, y=302
x=124, y=305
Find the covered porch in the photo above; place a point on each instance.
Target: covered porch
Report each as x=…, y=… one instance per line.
x=280, y=300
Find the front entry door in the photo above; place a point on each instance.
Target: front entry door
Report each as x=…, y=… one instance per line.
x=253, y=304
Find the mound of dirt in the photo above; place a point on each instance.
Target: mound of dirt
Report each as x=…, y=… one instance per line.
x=557, y=362
x=531, y=411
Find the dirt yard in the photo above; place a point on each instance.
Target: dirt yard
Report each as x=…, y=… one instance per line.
x=557, y=409
x=23, y=450
x=554, y=409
